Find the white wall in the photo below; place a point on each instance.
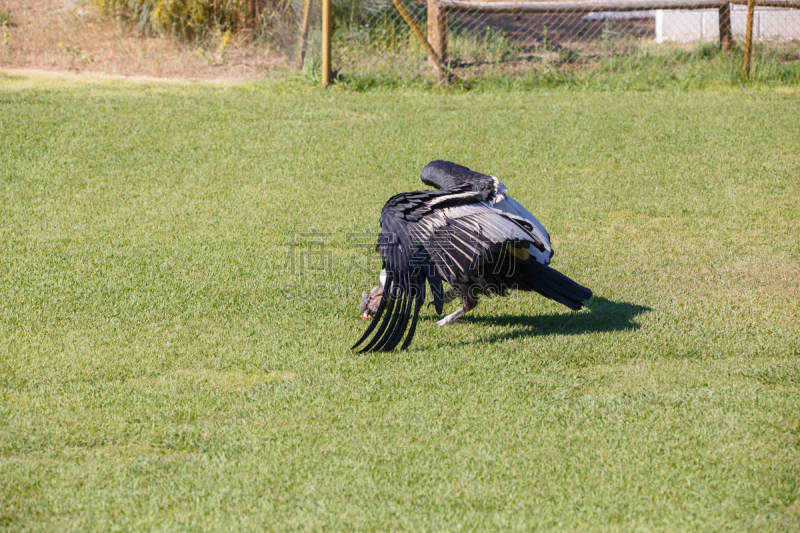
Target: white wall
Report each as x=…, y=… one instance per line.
x=769, y=24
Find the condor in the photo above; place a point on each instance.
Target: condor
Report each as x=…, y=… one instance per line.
x=469, y=233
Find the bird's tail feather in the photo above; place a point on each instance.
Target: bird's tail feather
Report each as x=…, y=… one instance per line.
x=552, y=284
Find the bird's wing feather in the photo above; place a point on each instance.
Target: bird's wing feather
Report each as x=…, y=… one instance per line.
x=429, y=235
x=511, y=207
x=471, y=236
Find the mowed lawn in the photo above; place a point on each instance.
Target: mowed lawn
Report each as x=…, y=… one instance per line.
x=174, y=337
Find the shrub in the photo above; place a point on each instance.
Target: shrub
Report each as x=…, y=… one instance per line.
x=185, y=18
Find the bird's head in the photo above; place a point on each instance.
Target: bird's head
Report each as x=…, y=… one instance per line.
x=372, y=299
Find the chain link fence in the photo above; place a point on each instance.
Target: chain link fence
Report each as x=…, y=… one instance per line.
x=385, y=41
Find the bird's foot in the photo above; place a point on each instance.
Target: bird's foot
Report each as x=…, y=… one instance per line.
x=452, y=317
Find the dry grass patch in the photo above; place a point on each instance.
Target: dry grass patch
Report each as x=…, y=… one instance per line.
x=65, y=35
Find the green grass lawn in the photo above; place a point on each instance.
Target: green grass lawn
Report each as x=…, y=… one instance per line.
x=162, y=366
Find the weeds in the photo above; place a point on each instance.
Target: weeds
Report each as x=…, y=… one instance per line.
x=609, y=36
x=222, y=47
x=5, y=23
x=491, y=60
x=81, y=55
x=218, y=53
x=491, y=46
x=568, y=55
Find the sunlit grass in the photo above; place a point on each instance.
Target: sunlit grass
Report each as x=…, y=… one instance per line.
x=163, y=367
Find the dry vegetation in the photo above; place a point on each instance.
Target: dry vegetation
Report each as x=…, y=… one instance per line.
x=64, y=35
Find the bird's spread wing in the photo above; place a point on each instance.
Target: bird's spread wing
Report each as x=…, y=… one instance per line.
x=429, y=235
x=407, y=264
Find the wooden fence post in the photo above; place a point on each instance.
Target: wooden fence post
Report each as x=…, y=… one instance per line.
x=748, y=35
x=326, y=42
x=301, y=54
x=725, y=31
x=437, y=34
x=440, y=66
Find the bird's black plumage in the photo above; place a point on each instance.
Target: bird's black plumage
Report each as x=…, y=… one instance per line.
x=446, y=175
x=454, y=234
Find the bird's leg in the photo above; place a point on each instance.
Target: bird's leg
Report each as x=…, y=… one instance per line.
x=468, y=304
x=452, y=317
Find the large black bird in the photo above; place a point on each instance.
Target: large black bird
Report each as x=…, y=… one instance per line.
x=469, y=233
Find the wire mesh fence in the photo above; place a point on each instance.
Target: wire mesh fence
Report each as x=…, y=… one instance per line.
x=650, y=40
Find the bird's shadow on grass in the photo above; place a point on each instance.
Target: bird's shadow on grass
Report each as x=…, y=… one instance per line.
x=604, y=316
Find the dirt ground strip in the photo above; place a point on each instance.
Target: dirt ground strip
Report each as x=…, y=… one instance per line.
x=65, y=35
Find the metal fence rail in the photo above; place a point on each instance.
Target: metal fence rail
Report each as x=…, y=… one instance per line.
x=577, y=6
